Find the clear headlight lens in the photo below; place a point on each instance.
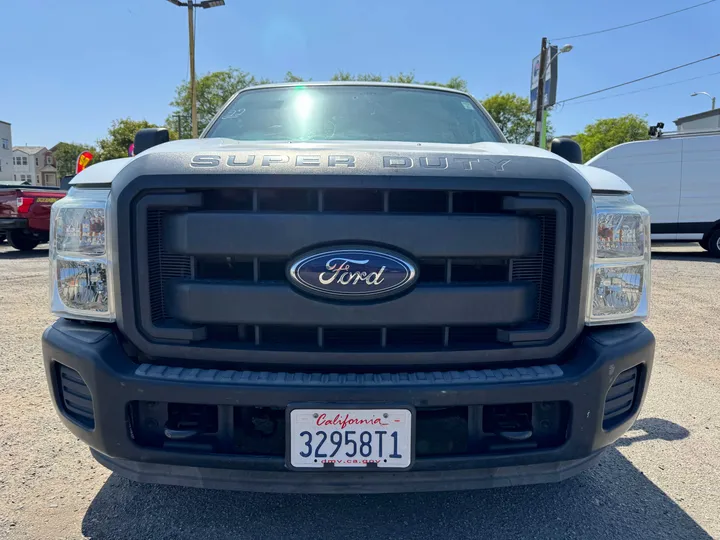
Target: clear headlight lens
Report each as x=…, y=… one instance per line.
x=81, y=281
x=80, y=230
x=83, y=285
x=619, y=277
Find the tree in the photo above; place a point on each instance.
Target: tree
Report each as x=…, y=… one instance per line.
x=212, y=90
x=120, y=136
x=405, y=78
x=513, y=116
x=66, y=155
x=455, y=82
x=291, y=77
x=346, y=76
x=608, y=132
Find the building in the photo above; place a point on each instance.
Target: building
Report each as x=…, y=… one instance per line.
x=703, y=121
x=6, y=163
x=34, y=165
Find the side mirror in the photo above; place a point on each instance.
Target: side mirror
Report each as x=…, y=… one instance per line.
x=149, y=137
x=568, y=149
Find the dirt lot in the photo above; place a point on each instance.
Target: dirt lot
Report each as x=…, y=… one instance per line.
x=660, y=481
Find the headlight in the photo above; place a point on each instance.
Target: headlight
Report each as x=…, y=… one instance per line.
x=619, y=277
x=80, y=265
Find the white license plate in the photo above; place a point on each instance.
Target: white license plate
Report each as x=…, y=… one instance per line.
x=351, y=438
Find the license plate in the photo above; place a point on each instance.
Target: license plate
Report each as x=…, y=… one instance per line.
x=46, y=200
x=358, y=438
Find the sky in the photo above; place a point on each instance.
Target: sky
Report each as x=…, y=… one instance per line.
x=73, y=66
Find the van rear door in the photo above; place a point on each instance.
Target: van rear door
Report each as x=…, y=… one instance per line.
x=700, y=192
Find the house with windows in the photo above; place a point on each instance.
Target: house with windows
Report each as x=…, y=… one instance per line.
x=6, y=163
x=34, y=165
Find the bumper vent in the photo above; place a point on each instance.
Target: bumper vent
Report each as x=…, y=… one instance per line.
x=75, y=395
x=620, y=399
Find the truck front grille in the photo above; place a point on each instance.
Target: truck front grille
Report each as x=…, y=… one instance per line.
x=197, y=239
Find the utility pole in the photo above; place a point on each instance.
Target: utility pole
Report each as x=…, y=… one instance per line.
x=193, y=97
x=540, y=110
x=205, y=4
x=179, y=117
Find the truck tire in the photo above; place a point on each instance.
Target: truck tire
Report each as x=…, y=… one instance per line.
x=22, y=241
x=714, y=244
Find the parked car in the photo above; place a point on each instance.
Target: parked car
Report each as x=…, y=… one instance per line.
x=676, y=176
x=348, y=288
x=25, y=214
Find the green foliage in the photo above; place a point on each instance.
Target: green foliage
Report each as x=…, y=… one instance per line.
x=368, y=77
x=512, y=114
x=66, y=155
x=346, y=76
x=405, y=78
x=212, y=90
x=608, y=132
x=291, y=77
x=455, y=82
x=120, y=136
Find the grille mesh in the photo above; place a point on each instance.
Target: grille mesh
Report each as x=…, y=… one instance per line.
x=539, y=269
x=162, y=266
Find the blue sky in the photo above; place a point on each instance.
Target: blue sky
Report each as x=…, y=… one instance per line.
x=106, y=59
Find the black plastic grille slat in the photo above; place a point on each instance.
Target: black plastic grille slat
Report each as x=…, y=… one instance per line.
x=75, y=395
x=162, y=266
x=372, y=338
x=620, y=398
x=250, y=268
x=354, y=201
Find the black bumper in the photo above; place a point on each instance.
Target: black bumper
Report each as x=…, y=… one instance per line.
x=114, y=380
x=13, y=223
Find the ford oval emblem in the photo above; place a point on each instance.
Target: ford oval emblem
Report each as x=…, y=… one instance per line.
x=352, y=273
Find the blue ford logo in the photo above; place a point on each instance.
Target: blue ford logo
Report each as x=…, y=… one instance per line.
x=352, y=274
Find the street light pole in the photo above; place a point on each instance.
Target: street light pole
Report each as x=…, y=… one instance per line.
x=708, y=95
x=205, y=4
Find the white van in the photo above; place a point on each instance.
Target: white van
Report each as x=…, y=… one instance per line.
x=677, y=178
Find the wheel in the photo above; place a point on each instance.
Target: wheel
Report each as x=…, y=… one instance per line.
x=22, y=241
x=704, y=244
x=714, y=244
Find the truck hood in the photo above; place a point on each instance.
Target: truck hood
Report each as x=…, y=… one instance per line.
x=211, y=154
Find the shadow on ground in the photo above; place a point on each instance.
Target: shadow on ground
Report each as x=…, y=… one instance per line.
x=680, y=255
x=612, y=500
x=10, y=254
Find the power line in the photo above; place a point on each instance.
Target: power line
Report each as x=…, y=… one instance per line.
x=640, y=79
x=647, y=89
x=632, y=24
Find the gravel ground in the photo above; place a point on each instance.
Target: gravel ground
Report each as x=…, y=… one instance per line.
x=659, y=481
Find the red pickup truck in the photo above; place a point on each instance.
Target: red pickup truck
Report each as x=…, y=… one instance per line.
x=25, y=214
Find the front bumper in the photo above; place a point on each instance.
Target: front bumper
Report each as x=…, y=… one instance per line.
x=114, y=381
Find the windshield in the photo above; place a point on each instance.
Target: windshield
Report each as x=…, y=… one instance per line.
x=354, y=113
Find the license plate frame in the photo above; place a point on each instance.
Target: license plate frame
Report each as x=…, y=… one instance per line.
x=328, y=467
